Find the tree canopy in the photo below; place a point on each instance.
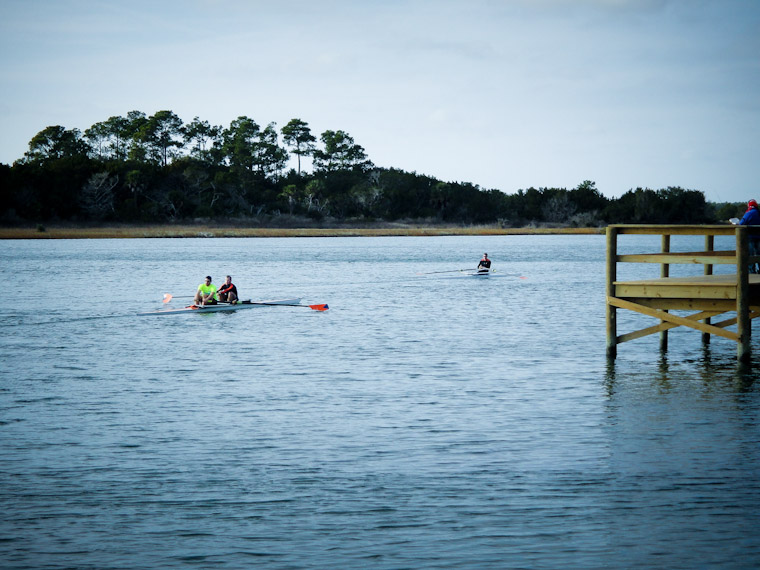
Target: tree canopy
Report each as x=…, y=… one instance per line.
x=140, y=168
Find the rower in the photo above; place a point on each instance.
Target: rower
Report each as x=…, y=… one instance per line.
x=228, y=292
x=485, y=264
x=206, y=293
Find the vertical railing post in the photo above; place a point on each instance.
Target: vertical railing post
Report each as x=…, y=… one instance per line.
x=664, y=272
x=709, y=246
x=611, y=316
x=742, y=294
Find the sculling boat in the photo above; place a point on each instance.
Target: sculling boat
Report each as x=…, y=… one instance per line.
x=468, y=274
x=248, y=304
x=482, y=274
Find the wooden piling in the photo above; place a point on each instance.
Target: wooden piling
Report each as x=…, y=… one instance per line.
x=664, y=273
x=611, y=278
x=708, y=270
x=742, y=294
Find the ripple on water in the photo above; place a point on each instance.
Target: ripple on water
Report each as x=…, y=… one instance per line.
x=420, y=423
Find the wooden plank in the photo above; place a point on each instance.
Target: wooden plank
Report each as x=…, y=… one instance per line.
x=663, y=327
x=697, y=286
x=667, y=326
x=690, y=257
x=658, y=229
x=720, y=280
x=720, y=305
x=717, y=305
x=611, y=276
x=663, y=316
x=734, y=320
x=708, y=270
x=664, y=272
x=668, y=291
x=685, y=258
x=743, y=323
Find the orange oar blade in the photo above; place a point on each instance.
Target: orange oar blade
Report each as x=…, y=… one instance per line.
x=319, y=307
x=167, y=297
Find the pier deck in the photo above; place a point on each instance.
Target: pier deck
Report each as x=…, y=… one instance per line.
x=708, y=295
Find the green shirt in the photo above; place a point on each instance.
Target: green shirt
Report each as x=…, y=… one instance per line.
x=206, y=289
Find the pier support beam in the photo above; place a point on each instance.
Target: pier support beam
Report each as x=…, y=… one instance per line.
x=664, y=272
x=611, y=277
x=743, y=322
x=709, y=246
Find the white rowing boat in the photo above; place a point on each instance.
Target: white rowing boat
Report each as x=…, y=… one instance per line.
x=482, y=274
x=248, y=304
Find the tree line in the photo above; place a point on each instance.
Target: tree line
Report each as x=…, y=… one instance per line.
x=158, y=169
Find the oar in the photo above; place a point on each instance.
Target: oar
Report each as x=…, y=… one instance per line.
x=449, y=271
x=322, y=307
x=168, y=297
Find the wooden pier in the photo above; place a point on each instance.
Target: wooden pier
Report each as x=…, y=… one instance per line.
x=705, y=296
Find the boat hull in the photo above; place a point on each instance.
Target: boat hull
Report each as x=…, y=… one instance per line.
x=223, y=307
x=483, y=274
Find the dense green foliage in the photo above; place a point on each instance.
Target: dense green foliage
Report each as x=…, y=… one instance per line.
x=158, y=169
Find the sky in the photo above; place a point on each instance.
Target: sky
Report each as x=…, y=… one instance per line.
x=505, y=94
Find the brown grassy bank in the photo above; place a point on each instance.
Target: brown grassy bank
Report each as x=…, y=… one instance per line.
x=191, y=231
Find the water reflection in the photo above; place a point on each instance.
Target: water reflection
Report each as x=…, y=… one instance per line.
x=715, y=371
x=682, y=438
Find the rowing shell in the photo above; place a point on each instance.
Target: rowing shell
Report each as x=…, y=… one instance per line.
x=480, y=275
x=223, y=307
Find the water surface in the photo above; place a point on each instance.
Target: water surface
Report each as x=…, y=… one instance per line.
x=424, y=421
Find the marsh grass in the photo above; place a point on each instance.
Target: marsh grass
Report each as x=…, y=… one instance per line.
x=194, y=231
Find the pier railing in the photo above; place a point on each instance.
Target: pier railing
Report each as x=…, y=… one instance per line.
x=709, y=295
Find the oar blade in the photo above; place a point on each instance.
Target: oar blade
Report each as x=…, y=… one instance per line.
x=167, y=297
x=319, y=307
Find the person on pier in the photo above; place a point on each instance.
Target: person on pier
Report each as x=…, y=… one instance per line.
x=752, y=218
x=485, y=264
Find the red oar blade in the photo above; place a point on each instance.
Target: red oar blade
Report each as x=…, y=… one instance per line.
x=319, y=307
x=167, y=297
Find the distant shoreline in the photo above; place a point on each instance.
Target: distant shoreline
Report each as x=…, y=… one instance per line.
x=221, y=231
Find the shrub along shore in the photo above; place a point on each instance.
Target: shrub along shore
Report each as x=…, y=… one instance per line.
x=208, y=231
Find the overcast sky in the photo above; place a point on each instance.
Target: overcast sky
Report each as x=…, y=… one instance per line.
x=506, y=94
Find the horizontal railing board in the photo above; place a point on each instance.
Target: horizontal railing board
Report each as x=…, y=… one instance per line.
x=664, y=229
x=690, y=257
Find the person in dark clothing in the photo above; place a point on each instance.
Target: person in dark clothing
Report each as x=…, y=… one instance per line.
x=485, y=264
x=228, y=292
x=752, y=218
x=752, y=215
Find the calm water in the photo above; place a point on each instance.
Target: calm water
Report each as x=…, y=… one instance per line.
x=422, y=422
